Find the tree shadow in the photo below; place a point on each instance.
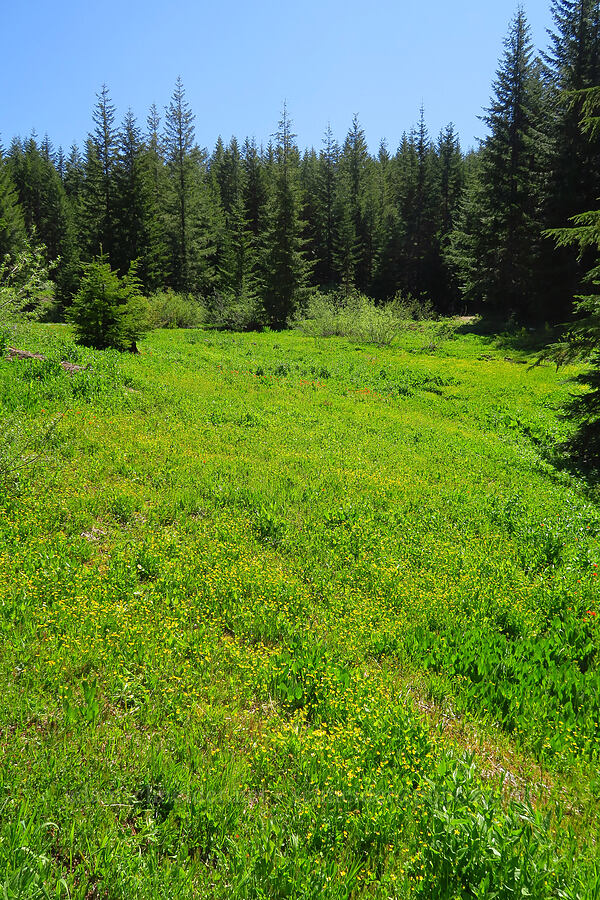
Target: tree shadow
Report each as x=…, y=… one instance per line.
x=506, y=335
x=578, y=456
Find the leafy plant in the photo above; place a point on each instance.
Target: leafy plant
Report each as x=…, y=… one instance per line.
x=353, y=316
x=26, y=289
x=168, y=309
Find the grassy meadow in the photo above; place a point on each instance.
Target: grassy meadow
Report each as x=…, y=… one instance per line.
x=295, y=617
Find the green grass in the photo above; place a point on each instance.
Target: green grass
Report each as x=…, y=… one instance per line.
x=295, y=617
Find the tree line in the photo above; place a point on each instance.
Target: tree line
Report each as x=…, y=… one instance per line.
x=254, y=229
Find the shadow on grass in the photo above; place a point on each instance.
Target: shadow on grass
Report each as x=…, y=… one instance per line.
x=579, y=455
x=568, y=459
x=506, y=335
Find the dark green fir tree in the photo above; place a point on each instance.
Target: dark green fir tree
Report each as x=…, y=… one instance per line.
x=285, y=269
x=497, y=240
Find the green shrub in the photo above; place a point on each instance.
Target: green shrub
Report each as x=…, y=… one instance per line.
x=26, y=290
x=357, y=317
x=410, y=308
x=108, y=311
x=235, y=313
x=167, y=309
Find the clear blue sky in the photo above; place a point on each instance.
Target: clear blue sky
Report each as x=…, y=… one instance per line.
x=239, y=60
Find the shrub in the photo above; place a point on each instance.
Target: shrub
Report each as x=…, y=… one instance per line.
x=26, y=291
x=357, y=317
x=410, y=308
x=234, y=312
x=167, y=309
x=108, y=311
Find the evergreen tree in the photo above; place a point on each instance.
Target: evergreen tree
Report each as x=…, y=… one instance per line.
x=353, y=163
x=47, y=213
x=308, y=176
x=255, y=190
x=420, y=216
x=236, y=297
x=572, y=65
x=346, y=243
x=47, y=150
x=325, y=210
x=108, y=311
x=179, y=144
x=12, y=224
x=74, y=176
x=98, y=203
x=189, y=213
x=371, y=222
x=285, y=266
x=134, y=207
x=61, y=164
x=496, y=245
x=450, y=173
x=391, y=235
x=155, y=265
x=451, y=177
x=582, y=338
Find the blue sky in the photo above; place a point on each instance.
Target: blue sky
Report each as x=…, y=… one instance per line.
x=239, y=61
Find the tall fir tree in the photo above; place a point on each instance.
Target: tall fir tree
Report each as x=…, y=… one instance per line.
x=236, y=258
x=354, y=161
x=74, y=176
x=12, y=223
x=496, y=243
x=572, y=66
x=582, y=337
x=346, y=250
x=179, y=144
x=191, y=249
x=310, y=205
x=450, y=176
x=61, y=163
x=387, y=277
x=97, y=207
x=131, y=196
x=255, y=189
x=156, y=262
x=284, y=264
x=47, y=213
x=325, y=209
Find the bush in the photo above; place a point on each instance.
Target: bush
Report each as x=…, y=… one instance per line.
x=166, y=309
x=357, y=317
x=109, y=311
x=409, y=308
x=234, y=312
x=26, y=290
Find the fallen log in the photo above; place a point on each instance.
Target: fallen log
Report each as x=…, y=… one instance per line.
x=15, y=353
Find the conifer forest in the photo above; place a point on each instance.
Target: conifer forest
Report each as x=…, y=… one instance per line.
x=250, y=229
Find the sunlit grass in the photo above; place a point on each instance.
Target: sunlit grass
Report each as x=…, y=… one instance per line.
x=265, y=598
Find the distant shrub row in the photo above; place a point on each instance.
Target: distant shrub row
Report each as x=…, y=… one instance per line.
x=354, y=316
x=110, y=310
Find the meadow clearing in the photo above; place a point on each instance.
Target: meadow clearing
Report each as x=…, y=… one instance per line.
x=294, y=617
